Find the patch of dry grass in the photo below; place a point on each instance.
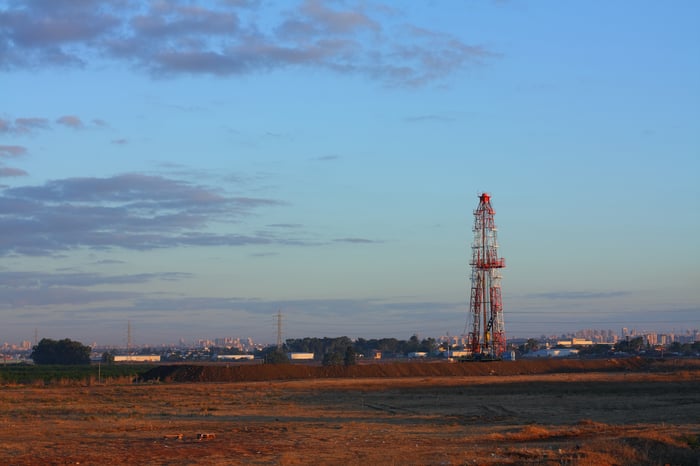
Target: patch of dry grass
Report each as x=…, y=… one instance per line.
x=572, y=419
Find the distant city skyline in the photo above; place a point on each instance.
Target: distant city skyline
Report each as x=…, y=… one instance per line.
x=196, y=167
x=223, y=340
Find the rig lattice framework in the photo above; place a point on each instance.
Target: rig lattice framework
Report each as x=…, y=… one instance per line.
x=487, y=335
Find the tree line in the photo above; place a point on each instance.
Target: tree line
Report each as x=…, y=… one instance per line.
x=331, y=351
x=344, y=351
x=321, y=346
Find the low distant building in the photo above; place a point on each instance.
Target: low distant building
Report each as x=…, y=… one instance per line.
x=137, y=358
x=418, y=354
x=300, y=356
x=235, y=357
x=458, y=353
x=575, y=342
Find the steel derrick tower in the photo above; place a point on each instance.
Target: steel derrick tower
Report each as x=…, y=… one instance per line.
x=487, y=336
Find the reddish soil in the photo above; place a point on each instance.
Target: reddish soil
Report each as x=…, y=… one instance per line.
x=583, y=413
x=248, y=372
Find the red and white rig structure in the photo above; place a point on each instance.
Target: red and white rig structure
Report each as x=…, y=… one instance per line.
x=486, y=331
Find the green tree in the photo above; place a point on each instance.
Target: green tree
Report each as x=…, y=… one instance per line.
x=675, y=347
x=531, y=345
x=275, y=356
x=390, y=345
x=64, y=351
x=333, y=358
x=428, y=345
x=633, y=345
x=412, y=345
x=318, y=346
x=107, y=358
x=597, y=350
x=350, y=356
x=685, y=349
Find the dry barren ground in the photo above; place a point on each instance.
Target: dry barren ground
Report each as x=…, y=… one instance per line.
x=586, y=418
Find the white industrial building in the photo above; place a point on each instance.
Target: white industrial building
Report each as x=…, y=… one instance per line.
x=137, y=358
x=235, y=357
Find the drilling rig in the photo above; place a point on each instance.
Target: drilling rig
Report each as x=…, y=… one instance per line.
x=486, y=331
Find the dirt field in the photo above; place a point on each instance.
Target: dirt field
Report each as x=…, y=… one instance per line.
x=646, y=416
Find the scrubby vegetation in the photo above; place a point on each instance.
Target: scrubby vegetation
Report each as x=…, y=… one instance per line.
x=645, y=413
x=361, y=347
x=57, y=374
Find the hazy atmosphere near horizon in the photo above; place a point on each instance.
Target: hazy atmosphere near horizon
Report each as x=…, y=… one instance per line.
x=195, y=167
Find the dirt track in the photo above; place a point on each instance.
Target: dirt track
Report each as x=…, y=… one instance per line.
x=648, y=416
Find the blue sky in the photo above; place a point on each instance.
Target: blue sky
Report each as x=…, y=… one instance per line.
x=195, y=167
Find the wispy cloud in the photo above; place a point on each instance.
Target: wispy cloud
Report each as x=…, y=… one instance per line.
x=368, y=317
x=356, y=240
x=327, y=158
x=12, y=151
x=228, y=38
x=31, y=289
x=579, y=295
x=9, y=172
x=264, y=254
x=70, y=121
x=23, y=125
x=313, y=18
x=131, y=211
x=34, y=280
x=29, y=125
x=285, y=225
x=108, y=262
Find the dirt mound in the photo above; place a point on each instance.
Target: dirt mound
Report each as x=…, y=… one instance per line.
x=249, y=373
